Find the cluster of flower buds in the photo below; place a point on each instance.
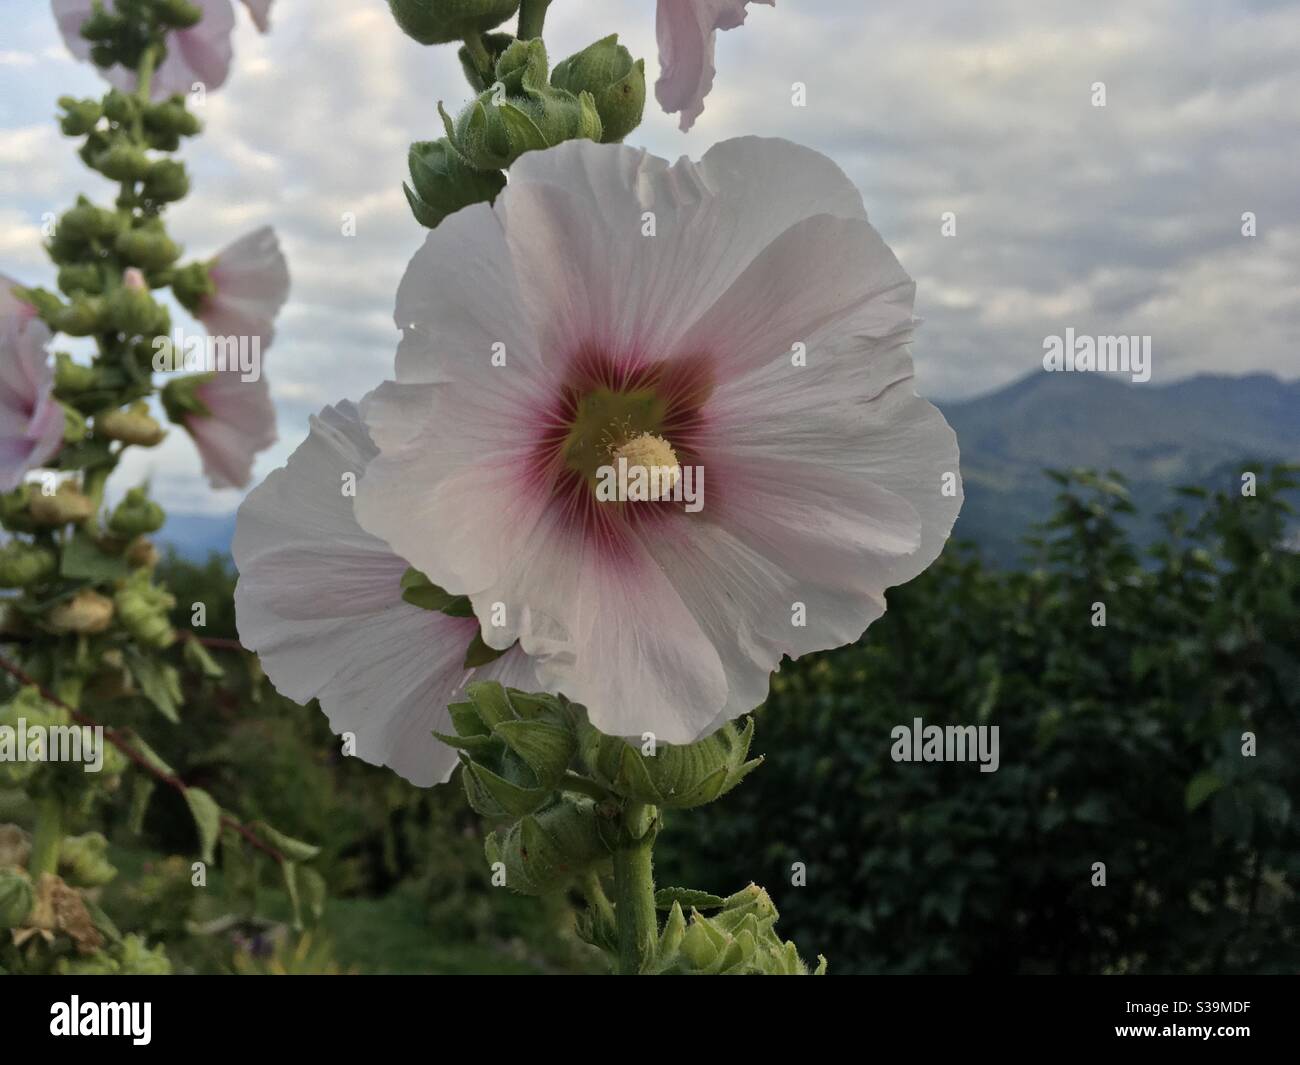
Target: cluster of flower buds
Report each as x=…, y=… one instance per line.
x=666, y=774
x=597, y=94
x=738, y=940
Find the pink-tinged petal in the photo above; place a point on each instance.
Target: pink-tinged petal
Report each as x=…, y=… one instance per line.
x=252, y=282
x=687, y=31
x=762, y=331
x=241, y=423
x=261, y=12
x=200, y=54
x=31, y=420
x=320, y=601
x=13, y=311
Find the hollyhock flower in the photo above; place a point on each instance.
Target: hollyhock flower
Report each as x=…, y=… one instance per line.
x=201, y=53
x=320, y=601
x=687, y=31
x=31, y=419
x=230, y=419
x=251, y=282
x=736, y=317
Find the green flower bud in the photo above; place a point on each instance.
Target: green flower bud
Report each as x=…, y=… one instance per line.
x=83, y=317
x=191, y=284
x=80, y=278
x=71, y=378
x=143, y=609
x=133, y=311
x=444, y=183
x=120, y=107
x=522, y=114
x=170, y=117
x=101, y=25
x=178, y=14
x=83, y=860
x=85, y=221
x=29, y=706
x=543, y=852
x=481, y=78
x=79, y=116
x=132, y=426
x=130, y=957
x=123, y=162
x=444, y=21
x=47, y=304
x=166, y=181
x=147, y=247
x=616, y=83
x=23, y=564
x=739, y=940
x=75, y=428
x=15, y=510
x=16, y=898
x=85, y=614
x=515, y=747
x=136, y=515
x=678, y=776
x=62, y=507
x=96, y=143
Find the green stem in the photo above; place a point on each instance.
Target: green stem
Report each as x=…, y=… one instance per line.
x=479, y=53
x=634, y=895
x=144, y=76
x=532, y=17
x=48, y=837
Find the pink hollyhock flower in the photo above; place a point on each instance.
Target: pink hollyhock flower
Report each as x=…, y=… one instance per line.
x=252, y=284
x=687, y=31
x=240, y=422
x=759, y=336
x=201, y=53
x=31, y=420
x=320, y=601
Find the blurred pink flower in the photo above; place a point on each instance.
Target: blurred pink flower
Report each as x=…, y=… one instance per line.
x=261, y=12
x=320, y=601
x=759, y=336
x=201, y=53
x=31, y=420
x=687, y=31
x=252, y=284
x=240, y=422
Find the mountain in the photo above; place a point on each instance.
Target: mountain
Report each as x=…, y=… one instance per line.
x=1197, y=431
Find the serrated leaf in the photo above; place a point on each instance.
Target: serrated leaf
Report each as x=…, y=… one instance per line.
x=686, y=898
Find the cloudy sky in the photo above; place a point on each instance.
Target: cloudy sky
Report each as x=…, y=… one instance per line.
x=1120, y=219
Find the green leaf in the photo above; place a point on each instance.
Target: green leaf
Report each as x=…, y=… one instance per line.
x=83, y=560
x=207, y=819
x=1201, y=787
x=478, y=653
x=419, y=591
x=141, y=791
x=159, y=683
x=290, y=873
x=199, y=659
x=293, y=849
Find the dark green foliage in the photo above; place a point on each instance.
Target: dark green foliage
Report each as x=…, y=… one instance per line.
x=1119, y=744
